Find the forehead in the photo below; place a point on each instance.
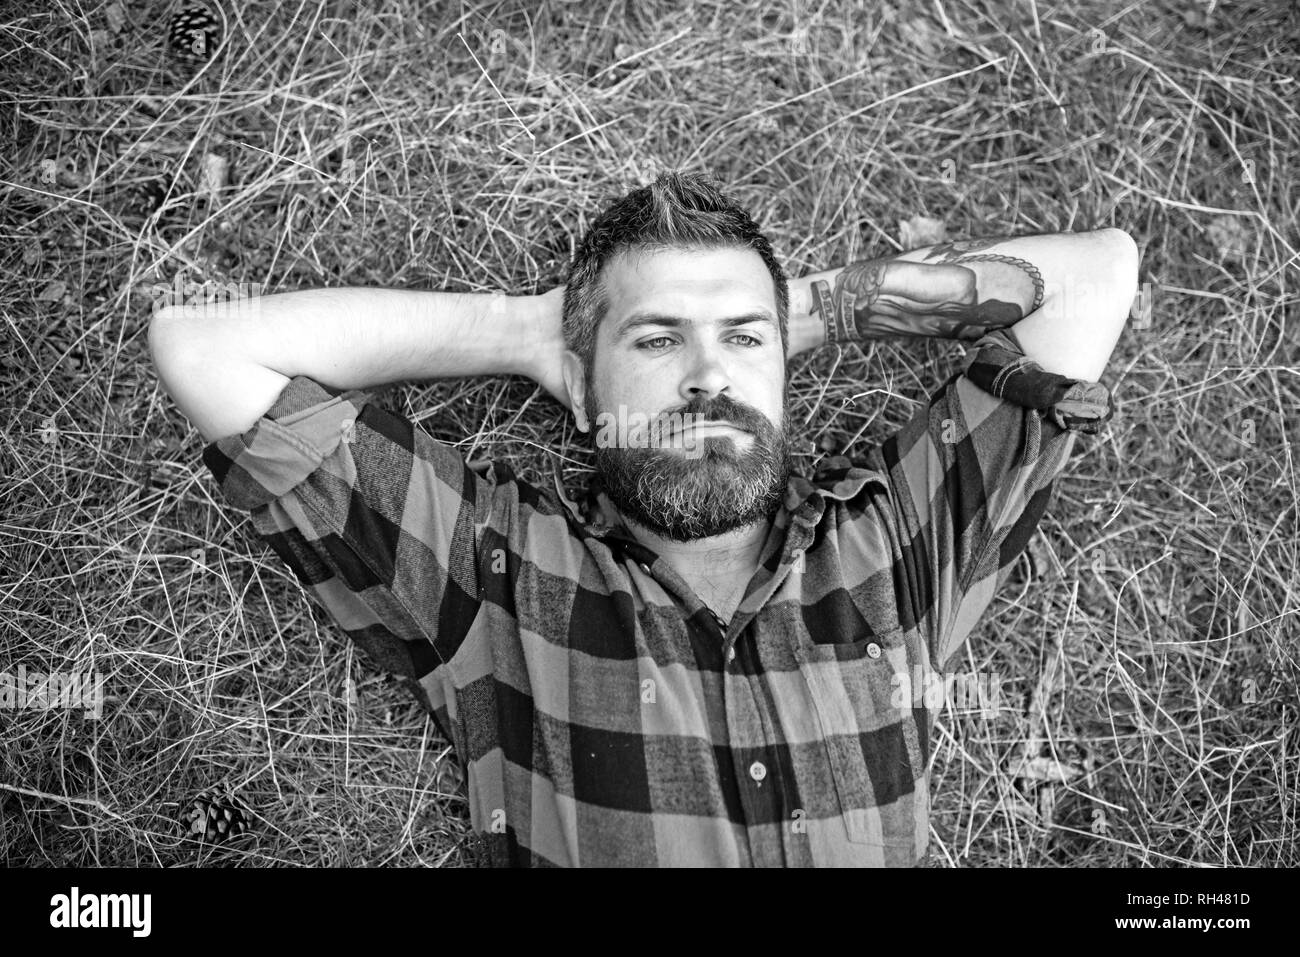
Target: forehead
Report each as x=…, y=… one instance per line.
x=690, y=282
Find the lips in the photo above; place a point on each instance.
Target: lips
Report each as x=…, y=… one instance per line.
x=717, y=424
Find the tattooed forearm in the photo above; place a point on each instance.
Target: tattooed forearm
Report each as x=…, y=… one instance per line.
x=962, y=296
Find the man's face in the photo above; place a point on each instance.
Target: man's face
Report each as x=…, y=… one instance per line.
x=691, y=341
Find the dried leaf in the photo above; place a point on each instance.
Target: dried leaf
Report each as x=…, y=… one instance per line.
x=1162, y=606
x=1046, y=803
x=1040, y=557
x=923, y=35
x=53, y=292
x=449, y=776
x=546, y=83
x=921, y=231
x=116, y=17
x=215, y=176
x=643, y=170
x=1230, y=237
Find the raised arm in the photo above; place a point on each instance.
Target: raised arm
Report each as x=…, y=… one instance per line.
x=224, y=364
x=1064, y=297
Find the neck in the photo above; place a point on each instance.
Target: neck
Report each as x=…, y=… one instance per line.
x=716, y=568
x=732, y=551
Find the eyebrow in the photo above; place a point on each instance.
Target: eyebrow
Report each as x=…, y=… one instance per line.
x=638, y=319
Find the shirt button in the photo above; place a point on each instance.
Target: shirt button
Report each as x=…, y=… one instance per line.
x=873, y=650
x=758, y=770
x=731, y=653
x=645, y=568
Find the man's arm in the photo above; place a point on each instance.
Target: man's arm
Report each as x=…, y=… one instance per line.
x=1064, y=297
x=225, y=364
x=969, y=475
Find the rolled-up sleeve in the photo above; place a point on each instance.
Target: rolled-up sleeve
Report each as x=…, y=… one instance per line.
x=970, y=476
x=376, y=518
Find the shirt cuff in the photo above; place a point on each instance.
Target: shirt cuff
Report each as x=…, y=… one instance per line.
x=301, y=429
x=998, y=366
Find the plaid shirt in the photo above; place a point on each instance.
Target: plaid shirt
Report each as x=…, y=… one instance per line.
x=604, y=715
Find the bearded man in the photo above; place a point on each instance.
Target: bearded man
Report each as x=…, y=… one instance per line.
x=697, y=665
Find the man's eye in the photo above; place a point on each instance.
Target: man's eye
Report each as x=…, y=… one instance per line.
x=663, y=343
x=752, y=340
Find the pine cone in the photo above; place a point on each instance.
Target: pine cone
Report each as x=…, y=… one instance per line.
x=150, y=196
x=215, y=817
x=194, y=34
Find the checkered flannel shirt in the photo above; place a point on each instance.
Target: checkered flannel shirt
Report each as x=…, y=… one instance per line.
x=604, y=715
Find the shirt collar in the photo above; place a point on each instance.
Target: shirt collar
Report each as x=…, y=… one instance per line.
x=834, y=478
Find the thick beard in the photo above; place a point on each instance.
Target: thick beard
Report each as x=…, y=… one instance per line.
x=684, y=498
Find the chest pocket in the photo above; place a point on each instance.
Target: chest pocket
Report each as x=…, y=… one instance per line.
x=876, y=750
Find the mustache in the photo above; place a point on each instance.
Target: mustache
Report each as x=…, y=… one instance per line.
x=723, y=408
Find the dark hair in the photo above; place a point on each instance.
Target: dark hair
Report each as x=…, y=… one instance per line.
x=676, y=210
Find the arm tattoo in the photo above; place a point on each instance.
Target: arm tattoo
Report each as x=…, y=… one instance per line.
x=949, y=251
x=1027, y=267
x=963, y=296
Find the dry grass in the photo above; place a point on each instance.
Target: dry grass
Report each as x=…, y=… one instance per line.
x=1152, y=638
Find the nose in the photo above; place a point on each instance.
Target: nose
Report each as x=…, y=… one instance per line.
x=706, y=374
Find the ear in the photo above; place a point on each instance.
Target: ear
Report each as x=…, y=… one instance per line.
x=575, y=383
